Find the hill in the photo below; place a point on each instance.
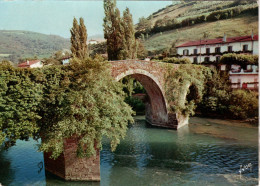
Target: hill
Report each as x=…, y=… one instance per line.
x=185, y=21
x=239, y=26
x=25, y=44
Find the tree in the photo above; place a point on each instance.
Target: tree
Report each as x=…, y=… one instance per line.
x=83, y=38
x=144, y=25
x=129, y=34
x=74, y=39
x=113, y=31
x=141, y=51
x=78, y=39
x=20, y=98
x=81, y=100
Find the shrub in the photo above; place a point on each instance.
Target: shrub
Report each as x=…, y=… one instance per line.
x=239, y=59
x=243, y=104
x=177, y=60
x=136, y=104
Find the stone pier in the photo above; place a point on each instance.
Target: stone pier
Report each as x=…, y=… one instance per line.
x=69, y=167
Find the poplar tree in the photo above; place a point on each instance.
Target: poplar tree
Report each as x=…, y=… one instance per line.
x=113, y=31
x=83, y=38
x=79, y=39
x=74, y=39
x=129, y=34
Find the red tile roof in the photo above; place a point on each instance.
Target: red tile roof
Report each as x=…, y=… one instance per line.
x=219, y=41
x=25, y=64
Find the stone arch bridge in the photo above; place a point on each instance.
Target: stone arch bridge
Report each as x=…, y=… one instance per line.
x=152, y=76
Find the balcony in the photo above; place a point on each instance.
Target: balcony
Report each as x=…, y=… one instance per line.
x=242, y=71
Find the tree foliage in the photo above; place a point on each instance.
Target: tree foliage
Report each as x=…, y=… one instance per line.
x=80, y=100
x=220, y=99
x=78, y=39
x=239, y=59
x=185, y=87
x=177, y=60
x=129, y=35
x=113, y=31
x=20, y=98
x=217, y=94
x=243, y=104
x=119, y=33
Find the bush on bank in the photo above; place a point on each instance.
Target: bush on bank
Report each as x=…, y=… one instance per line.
x=220, y=99
x=56, y=102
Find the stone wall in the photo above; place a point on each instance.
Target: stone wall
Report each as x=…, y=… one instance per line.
x=69, y=167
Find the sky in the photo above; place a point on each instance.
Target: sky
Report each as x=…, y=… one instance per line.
x=55, y=16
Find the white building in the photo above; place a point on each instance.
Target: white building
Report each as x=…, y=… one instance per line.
x=92, y=41
x=31, y=64
x=210, y=50
x=245, y=79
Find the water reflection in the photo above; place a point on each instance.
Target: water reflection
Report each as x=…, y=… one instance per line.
x=203, y=153
x=166, y=157
x=5, y=171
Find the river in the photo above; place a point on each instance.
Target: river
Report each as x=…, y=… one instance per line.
x=206, y=152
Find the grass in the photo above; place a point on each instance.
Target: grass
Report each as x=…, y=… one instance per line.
x=239, y=26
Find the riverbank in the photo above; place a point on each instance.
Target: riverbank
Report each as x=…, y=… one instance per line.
x=235, y=130
x=229, y=122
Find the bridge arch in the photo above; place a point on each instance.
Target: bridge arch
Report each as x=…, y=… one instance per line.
x=156, y=107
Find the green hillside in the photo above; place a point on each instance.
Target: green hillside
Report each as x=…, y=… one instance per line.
x=186, y=21
x=23, y=44
x=239, y=26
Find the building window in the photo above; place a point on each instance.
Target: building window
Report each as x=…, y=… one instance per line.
x=245, y=48
x=207, y=50
x=195, y=60
x=195, y=51
x=217, y=50
x=186, y=52
x=217, y=58
x=206, y=59
x=230, y=49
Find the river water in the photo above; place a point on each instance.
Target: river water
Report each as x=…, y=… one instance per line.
x=206, y=152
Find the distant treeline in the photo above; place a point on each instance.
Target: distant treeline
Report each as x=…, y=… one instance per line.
x=162, y=25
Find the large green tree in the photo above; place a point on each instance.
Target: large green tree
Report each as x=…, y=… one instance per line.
x=113, y=31
x=119, y=33
x=78, y=39
x=129, y=34
x=80, y=100
x=20, y=97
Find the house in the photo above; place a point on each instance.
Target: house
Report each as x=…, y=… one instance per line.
x=65, y=60
x=31, y=64
x=210, y=50
x=92, y=41
x=244, y=79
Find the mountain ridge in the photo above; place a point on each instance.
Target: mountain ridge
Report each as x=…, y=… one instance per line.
x=16, y=44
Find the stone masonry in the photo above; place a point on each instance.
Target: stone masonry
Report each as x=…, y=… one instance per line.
x=152, y=76
x=69, y=167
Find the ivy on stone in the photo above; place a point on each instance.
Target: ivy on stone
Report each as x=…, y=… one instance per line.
x=184, y=87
